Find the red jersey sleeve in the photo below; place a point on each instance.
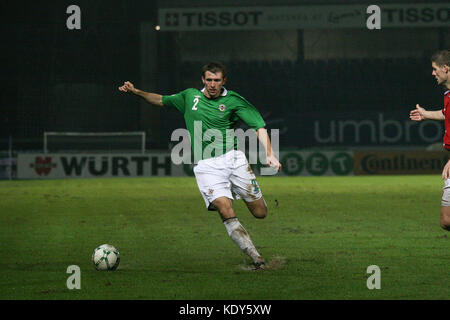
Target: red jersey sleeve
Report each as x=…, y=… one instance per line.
x=447, y=119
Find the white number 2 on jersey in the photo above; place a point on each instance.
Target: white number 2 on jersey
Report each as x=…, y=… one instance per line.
x=194, y=107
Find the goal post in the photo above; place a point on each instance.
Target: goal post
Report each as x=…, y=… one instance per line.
x=131, y=141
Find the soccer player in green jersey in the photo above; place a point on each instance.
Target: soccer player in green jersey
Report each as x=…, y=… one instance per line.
x=223, y=173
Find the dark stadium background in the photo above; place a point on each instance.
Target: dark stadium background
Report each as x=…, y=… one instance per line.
x=55, y=79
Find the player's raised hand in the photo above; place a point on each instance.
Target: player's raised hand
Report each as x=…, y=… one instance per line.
x=127, y=87
x=446, y=171
x=417, y=114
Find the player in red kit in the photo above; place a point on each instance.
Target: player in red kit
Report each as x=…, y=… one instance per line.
x=440, y=62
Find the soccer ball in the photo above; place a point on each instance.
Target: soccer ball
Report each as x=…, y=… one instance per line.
x=106, y=257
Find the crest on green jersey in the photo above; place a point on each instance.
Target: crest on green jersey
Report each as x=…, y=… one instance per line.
x=222, y=107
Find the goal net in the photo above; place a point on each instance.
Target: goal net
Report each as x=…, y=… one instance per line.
x=83, y=142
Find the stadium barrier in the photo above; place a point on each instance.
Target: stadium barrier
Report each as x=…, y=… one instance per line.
x=295, y=163
x=54, y=166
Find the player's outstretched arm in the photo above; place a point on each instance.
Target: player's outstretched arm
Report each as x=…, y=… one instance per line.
x=152, y=98
x=419, y=114
x=446, y=171
x=272, y=161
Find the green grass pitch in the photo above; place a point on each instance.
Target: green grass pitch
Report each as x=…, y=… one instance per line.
x=323, y=231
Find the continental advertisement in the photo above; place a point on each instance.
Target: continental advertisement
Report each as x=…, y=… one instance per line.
x=399, y=162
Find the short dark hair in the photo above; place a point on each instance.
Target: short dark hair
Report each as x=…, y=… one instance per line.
x=214, y=67
x=441, y=58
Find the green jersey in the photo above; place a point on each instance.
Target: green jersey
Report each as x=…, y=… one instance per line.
x=210, y=122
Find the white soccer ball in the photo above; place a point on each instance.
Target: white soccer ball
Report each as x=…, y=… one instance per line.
x=106, y=257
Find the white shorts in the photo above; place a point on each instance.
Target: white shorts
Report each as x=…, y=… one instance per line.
x=228, y=175
x=445, y=202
